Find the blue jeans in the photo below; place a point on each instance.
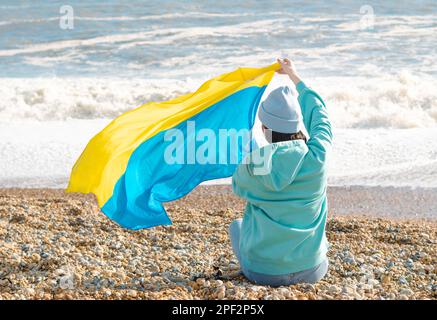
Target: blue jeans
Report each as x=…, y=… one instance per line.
x=306, y=276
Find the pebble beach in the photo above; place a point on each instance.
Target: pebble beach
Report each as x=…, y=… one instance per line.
x=55, y=245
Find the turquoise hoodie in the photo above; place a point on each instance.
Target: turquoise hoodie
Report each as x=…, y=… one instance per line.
x=283, y=229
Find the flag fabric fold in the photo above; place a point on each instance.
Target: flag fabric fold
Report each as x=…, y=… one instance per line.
x=159, y=152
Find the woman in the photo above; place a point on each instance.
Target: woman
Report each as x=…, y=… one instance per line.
x=281, y=239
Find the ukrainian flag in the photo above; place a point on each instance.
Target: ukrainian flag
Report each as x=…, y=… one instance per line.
x=124, y=165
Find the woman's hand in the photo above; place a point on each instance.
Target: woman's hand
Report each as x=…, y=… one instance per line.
x=288, y=68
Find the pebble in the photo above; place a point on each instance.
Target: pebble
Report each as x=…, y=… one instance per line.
x=425, y=236
x=254, y=288
x=200, y=282
x=409, y=263
x=285, y=292
x=36, y=257
x=29, y=291
x=373, y=282
x=333, y=289
x=379, y=270
x=66, y=282
x=100, y=260
x=390, y=264
x=132, y=293
x=402, y=280
x=406, y=291
x=221, y=292
x=348, y=290
x=385, y=279
x=349, y=259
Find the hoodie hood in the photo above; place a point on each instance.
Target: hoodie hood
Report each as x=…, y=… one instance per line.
x=276, y=165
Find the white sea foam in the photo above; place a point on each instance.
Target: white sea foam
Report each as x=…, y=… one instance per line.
x=384, y=157
x=47, y=99
x=176, y=15
x=400, y=101
x=41, y=154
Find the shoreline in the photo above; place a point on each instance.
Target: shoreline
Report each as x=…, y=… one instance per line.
x=360, y=157
x=404, y=203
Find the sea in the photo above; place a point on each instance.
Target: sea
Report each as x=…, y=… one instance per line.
x=67, y=68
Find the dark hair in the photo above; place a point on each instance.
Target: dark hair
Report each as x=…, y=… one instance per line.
x=279, y=136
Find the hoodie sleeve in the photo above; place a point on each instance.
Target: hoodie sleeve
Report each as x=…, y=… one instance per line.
x=316, y=121
x=239, y=181
x=244, y=179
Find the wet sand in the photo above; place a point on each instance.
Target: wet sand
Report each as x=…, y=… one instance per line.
x=60, y=246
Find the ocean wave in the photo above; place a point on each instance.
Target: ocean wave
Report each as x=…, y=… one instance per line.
x=158, y=17
x=271, y=24
x=403, y=100
x=47, y=99
x=400, y=101
x=152, y=37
